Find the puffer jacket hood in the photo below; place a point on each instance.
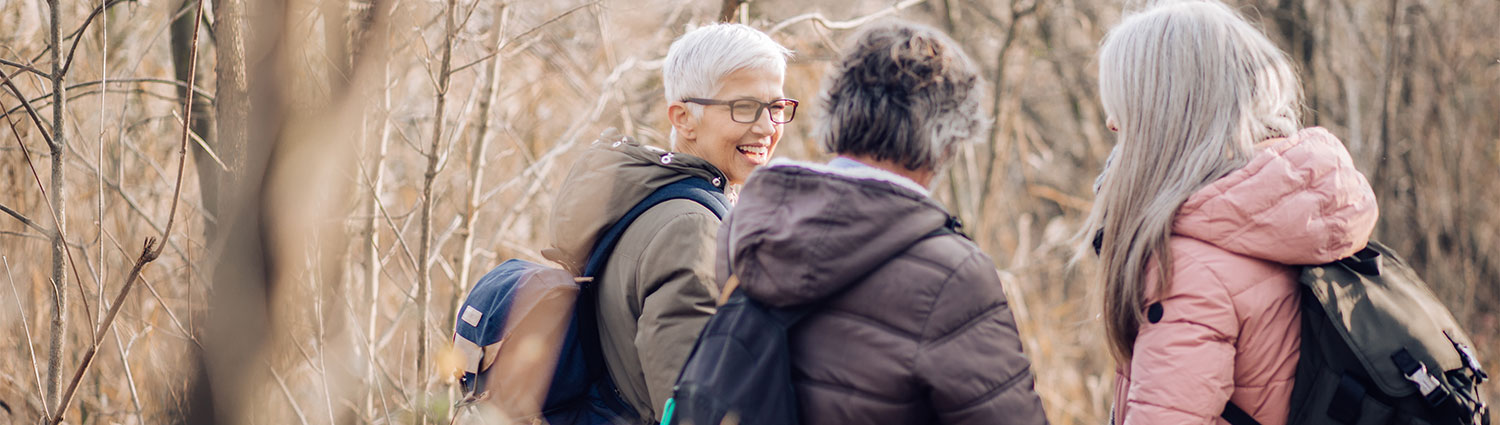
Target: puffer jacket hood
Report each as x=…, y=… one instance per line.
x=606, y=181
x=803, y=231
x=1299, y=201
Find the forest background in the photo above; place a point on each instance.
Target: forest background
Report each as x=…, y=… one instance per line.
x=354, y=165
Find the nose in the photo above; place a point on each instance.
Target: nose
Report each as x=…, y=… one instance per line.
x=764, y=126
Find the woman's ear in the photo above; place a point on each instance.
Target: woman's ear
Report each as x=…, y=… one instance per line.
x=682, y=119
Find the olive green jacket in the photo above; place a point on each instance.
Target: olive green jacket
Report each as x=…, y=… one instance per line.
x=657, y=289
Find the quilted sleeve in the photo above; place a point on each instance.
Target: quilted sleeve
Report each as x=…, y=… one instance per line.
x=1182, y=366
x=970, y=357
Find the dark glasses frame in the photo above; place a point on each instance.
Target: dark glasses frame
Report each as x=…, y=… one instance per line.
x=760, y=107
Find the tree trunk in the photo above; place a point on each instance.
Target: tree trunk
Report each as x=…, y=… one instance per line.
x=59, y=259
x=424, y=265
x=729, y=9
x=372, y=211
x=236, y=260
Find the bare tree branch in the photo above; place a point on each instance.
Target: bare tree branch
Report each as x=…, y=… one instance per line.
x=842, y=25
x=25, y=67
x=27, y=221
x=523, y=35
x=69, y=63
x=204, y=94
x=35, y=118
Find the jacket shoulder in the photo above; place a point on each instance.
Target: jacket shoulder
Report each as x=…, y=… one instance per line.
x=965, y=282
x=1198, y=265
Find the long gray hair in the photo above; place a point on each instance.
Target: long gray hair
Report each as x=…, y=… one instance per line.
x=1192, y=88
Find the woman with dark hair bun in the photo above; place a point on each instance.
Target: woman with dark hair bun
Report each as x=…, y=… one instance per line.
x=909, y=324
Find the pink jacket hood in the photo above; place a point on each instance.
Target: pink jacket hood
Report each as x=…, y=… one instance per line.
x=1299, y=201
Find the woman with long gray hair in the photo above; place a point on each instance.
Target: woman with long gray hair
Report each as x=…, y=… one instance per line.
x=1213, y=193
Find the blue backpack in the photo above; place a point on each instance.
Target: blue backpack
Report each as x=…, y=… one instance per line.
x=523, y=295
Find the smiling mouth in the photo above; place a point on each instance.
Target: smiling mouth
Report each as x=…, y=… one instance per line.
x=756, y=153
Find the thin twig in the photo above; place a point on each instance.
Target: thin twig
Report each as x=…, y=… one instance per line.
x=25, y=67
x=27, y=327
x=35, y=119
x=523, y=35
x=199, y=140
x=27, y=221
x=202, y=93
x=69, y=63
x=73, y=35
x=287, y=393
x=152, y=289
x=135, y=397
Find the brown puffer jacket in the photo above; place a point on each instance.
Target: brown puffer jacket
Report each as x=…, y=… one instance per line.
x=909, y=329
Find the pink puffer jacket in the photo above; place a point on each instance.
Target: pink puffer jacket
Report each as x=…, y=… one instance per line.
x=1229, y=328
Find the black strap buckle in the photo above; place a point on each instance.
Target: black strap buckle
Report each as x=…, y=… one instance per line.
x=1433, y=391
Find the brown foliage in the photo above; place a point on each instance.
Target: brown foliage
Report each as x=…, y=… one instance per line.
x=347, y=132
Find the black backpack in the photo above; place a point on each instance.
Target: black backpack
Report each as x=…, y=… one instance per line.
x=1379, y=348
x=741, y=365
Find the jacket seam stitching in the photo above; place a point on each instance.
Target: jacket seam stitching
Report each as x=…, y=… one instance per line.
x=1175, y=409
x=1003, y=386
x=849, y=315
x=855, y=391
x=932, y=306
x=979, y=318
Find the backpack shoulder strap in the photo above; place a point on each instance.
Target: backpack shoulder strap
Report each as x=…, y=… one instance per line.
x=691, y=188
x=1237, y=416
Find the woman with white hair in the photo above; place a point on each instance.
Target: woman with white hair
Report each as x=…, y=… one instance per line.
x=1212, y=196
x=907, y=323
x=724, y=100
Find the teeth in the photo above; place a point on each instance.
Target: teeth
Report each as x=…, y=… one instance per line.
x=755, y=150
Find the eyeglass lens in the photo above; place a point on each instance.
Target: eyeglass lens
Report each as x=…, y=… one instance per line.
x=748, y=111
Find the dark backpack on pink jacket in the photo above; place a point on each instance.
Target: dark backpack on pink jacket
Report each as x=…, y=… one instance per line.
x=1379, y=348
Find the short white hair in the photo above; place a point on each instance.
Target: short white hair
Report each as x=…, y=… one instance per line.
x=699, y=60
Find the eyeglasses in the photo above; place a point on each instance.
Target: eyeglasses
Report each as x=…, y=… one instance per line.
x=747, y=111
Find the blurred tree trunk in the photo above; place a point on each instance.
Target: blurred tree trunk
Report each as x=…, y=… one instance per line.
x=729, y=9
x=231, y=93
x=237, y=297
x=1292, y=22
x=336, y=36
x=209, y=172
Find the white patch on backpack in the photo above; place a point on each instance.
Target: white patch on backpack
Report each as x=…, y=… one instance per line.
x=472, y=316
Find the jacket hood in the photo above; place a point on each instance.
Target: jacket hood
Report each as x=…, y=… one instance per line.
x=802, y=231
x=1299, y=201
x=606, y=181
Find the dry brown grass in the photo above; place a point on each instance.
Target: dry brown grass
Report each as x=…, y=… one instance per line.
x=1412, y=86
